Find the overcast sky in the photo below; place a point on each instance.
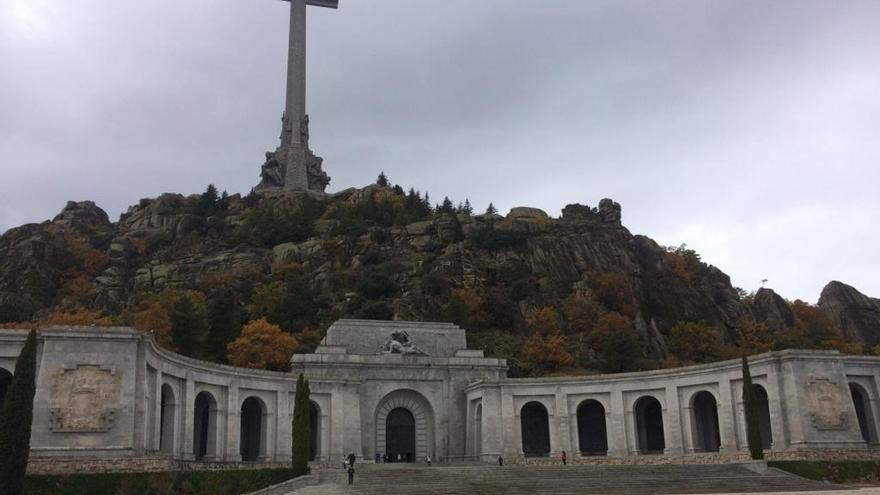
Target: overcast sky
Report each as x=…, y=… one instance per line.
x=749, y=130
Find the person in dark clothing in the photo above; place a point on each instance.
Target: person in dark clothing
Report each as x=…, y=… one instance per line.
x=500, y=461
x=564, y=458
x=350, y=474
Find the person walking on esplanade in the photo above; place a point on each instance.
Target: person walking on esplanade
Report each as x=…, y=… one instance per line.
x=564, y=458
x=350, y=474
x=500, y=461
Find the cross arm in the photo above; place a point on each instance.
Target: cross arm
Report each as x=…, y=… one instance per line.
x=330, y=4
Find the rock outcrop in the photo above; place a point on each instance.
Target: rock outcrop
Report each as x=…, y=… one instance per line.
x=856, y=314
x=770, y=308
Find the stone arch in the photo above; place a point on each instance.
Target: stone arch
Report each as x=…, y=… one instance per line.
x=252, y=442
x=864, y=413
x=205, y=426
x=649, y=425
x=423, y=421
x=704, y=420
x=592, y=430
x=5, y=379
x=763, y=402
x=167, y=419
x=478, y=430
x=314, y=430
x=535, y=428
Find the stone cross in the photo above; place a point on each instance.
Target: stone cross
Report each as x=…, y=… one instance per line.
x=293, y=165
x=295, y=108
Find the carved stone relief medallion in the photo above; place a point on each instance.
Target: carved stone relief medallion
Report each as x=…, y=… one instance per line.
x=84, y=399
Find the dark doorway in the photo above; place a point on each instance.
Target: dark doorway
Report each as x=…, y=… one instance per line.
x=5, y=378
x=166, y=419
x=251, y=429
x=649, y=424
x=204, y=425
x=592, y=433
x=763, y=416
x=707, y=437
x=863, y=410
x=400, y=434
x=314, y=430
x=535, y=428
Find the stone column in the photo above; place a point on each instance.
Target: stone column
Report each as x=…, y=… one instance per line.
x=156, y=417
x=615, y=420
x=232, y=426
x=187, y=415
x=284, y=421
x=672, y=422
x=726, y=416
x=782, y=394
x=563, y=436
x=688, y=433
x=512, y=445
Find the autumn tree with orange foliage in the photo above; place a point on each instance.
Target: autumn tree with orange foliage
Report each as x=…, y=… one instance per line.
x=581, y=314
x=756, y=336
x=547, y=353
x=82, y=317
x=262, y=345
x=151, y=317
x=544, y=321
x=696, y=342
x=616, y=343
x=684, y=262
x=613, y=291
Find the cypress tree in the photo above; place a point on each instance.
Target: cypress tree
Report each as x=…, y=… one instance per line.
x=750, y=404
x=16, y=418
x=189, y=328
x=301, y=433
x=224, y=323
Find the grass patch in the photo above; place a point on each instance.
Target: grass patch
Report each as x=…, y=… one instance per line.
x=835, y=472
x=163, y=483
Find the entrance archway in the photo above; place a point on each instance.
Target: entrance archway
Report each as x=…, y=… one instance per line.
x=5, y=379
x=167, y=418
x=251, y=445
x=864, y=414
x=649, y=426
x=417, y=406
x=205, y=426
x=400, y=431
x=763, y=416
x=535, y=429
x=592, y=432
x=314, y=430
x=707, y=436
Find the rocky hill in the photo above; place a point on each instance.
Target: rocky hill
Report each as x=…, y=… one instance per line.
x=577, y=292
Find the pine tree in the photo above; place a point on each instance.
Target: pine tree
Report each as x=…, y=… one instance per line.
x=750, y=404
x=301, y=433
x=224, y=325
x=208, y=202
x=446, y=207
x=382, y=180
x=467, y=209
x=491, y=210
x=16, y=418
x=189, y=327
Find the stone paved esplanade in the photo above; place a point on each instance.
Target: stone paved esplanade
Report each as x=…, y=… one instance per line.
x=293, y=165
x=408, y=390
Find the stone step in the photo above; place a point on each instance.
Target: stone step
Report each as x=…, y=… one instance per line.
x=564, y=480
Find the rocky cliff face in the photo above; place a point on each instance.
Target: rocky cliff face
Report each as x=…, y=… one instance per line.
x=365, y=253
x=856, y=314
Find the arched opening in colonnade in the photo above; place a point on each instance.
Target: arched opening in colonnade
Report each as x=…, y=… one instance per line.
x=707, y=436
x=252, y=444
x=864, y=414
x=314, y=430
x=535, y=429
x=5, y=379
x=205, y=426
x=649, y=426
x=167, y=419
x=763, y=402
x=592, y=431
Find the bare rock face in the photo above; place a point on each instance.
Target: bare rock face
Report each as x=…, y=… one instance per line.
x=526, y=213
x=856, y=314
x=770, y=308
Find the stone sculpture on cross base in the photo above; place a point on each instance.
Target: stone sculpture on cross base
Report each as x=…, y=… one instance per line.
x=293, y=165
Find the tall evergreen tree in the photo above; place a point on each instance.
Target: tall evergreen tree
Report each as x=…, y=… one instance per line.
x=750, y=404
x=491, y=210
x=301, y=433
x=224, y=325
x=189, y=327
x=467, y=209
x=208, y=201
x=446, y=206
x=382, y=180
x=16, y=418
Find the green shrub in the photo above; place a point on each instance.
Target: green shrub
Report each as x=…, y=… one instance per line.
x=836, y=472
x=165, y=483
